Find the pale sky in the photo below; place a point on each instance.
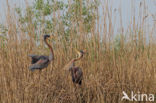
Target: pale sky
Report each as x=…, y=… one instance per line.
x=116, y=4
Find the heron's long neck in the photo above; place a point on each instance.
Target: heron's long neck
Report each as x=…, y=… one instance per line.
x=51, y=56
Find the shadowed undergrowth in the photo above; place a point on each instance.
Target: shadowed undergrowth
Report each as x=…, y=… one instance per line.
x=106, y=75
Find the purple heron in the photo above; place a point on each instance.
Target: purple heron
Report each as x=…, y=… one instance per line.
x=76, y=72
x=40, y=62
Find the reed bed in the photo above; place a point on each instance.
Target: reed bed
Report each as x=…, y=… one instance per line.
x=110, y=65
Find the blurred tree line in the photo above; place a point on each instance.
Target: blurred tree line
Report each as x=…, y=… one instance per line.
x=61, y=17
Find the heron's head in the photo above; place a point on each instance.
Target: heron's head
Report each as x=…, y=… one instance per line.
x=80, y=53
x=48, y=37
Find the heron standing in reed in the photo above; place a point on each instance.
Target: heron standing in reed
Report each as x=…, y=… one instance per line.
x=76, y=72
x=40, y=62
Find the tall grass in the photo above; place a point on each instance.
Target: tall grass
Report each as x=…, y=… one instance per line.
x=110, y=66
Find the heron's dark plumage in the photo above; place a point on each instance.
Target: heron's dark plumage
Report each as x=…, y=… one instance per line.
x=76, y=74
x=40, y=62
x=34, y=58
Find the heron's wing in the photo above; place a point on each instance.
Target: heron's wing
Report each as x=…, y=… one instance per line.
x=34, y=57
x=69, y=65
x=78, y=72
x=40, y=64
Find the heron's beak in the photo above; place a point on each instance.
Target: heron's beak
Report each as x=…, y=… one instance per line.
x=52, y=37
x=85, y=51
